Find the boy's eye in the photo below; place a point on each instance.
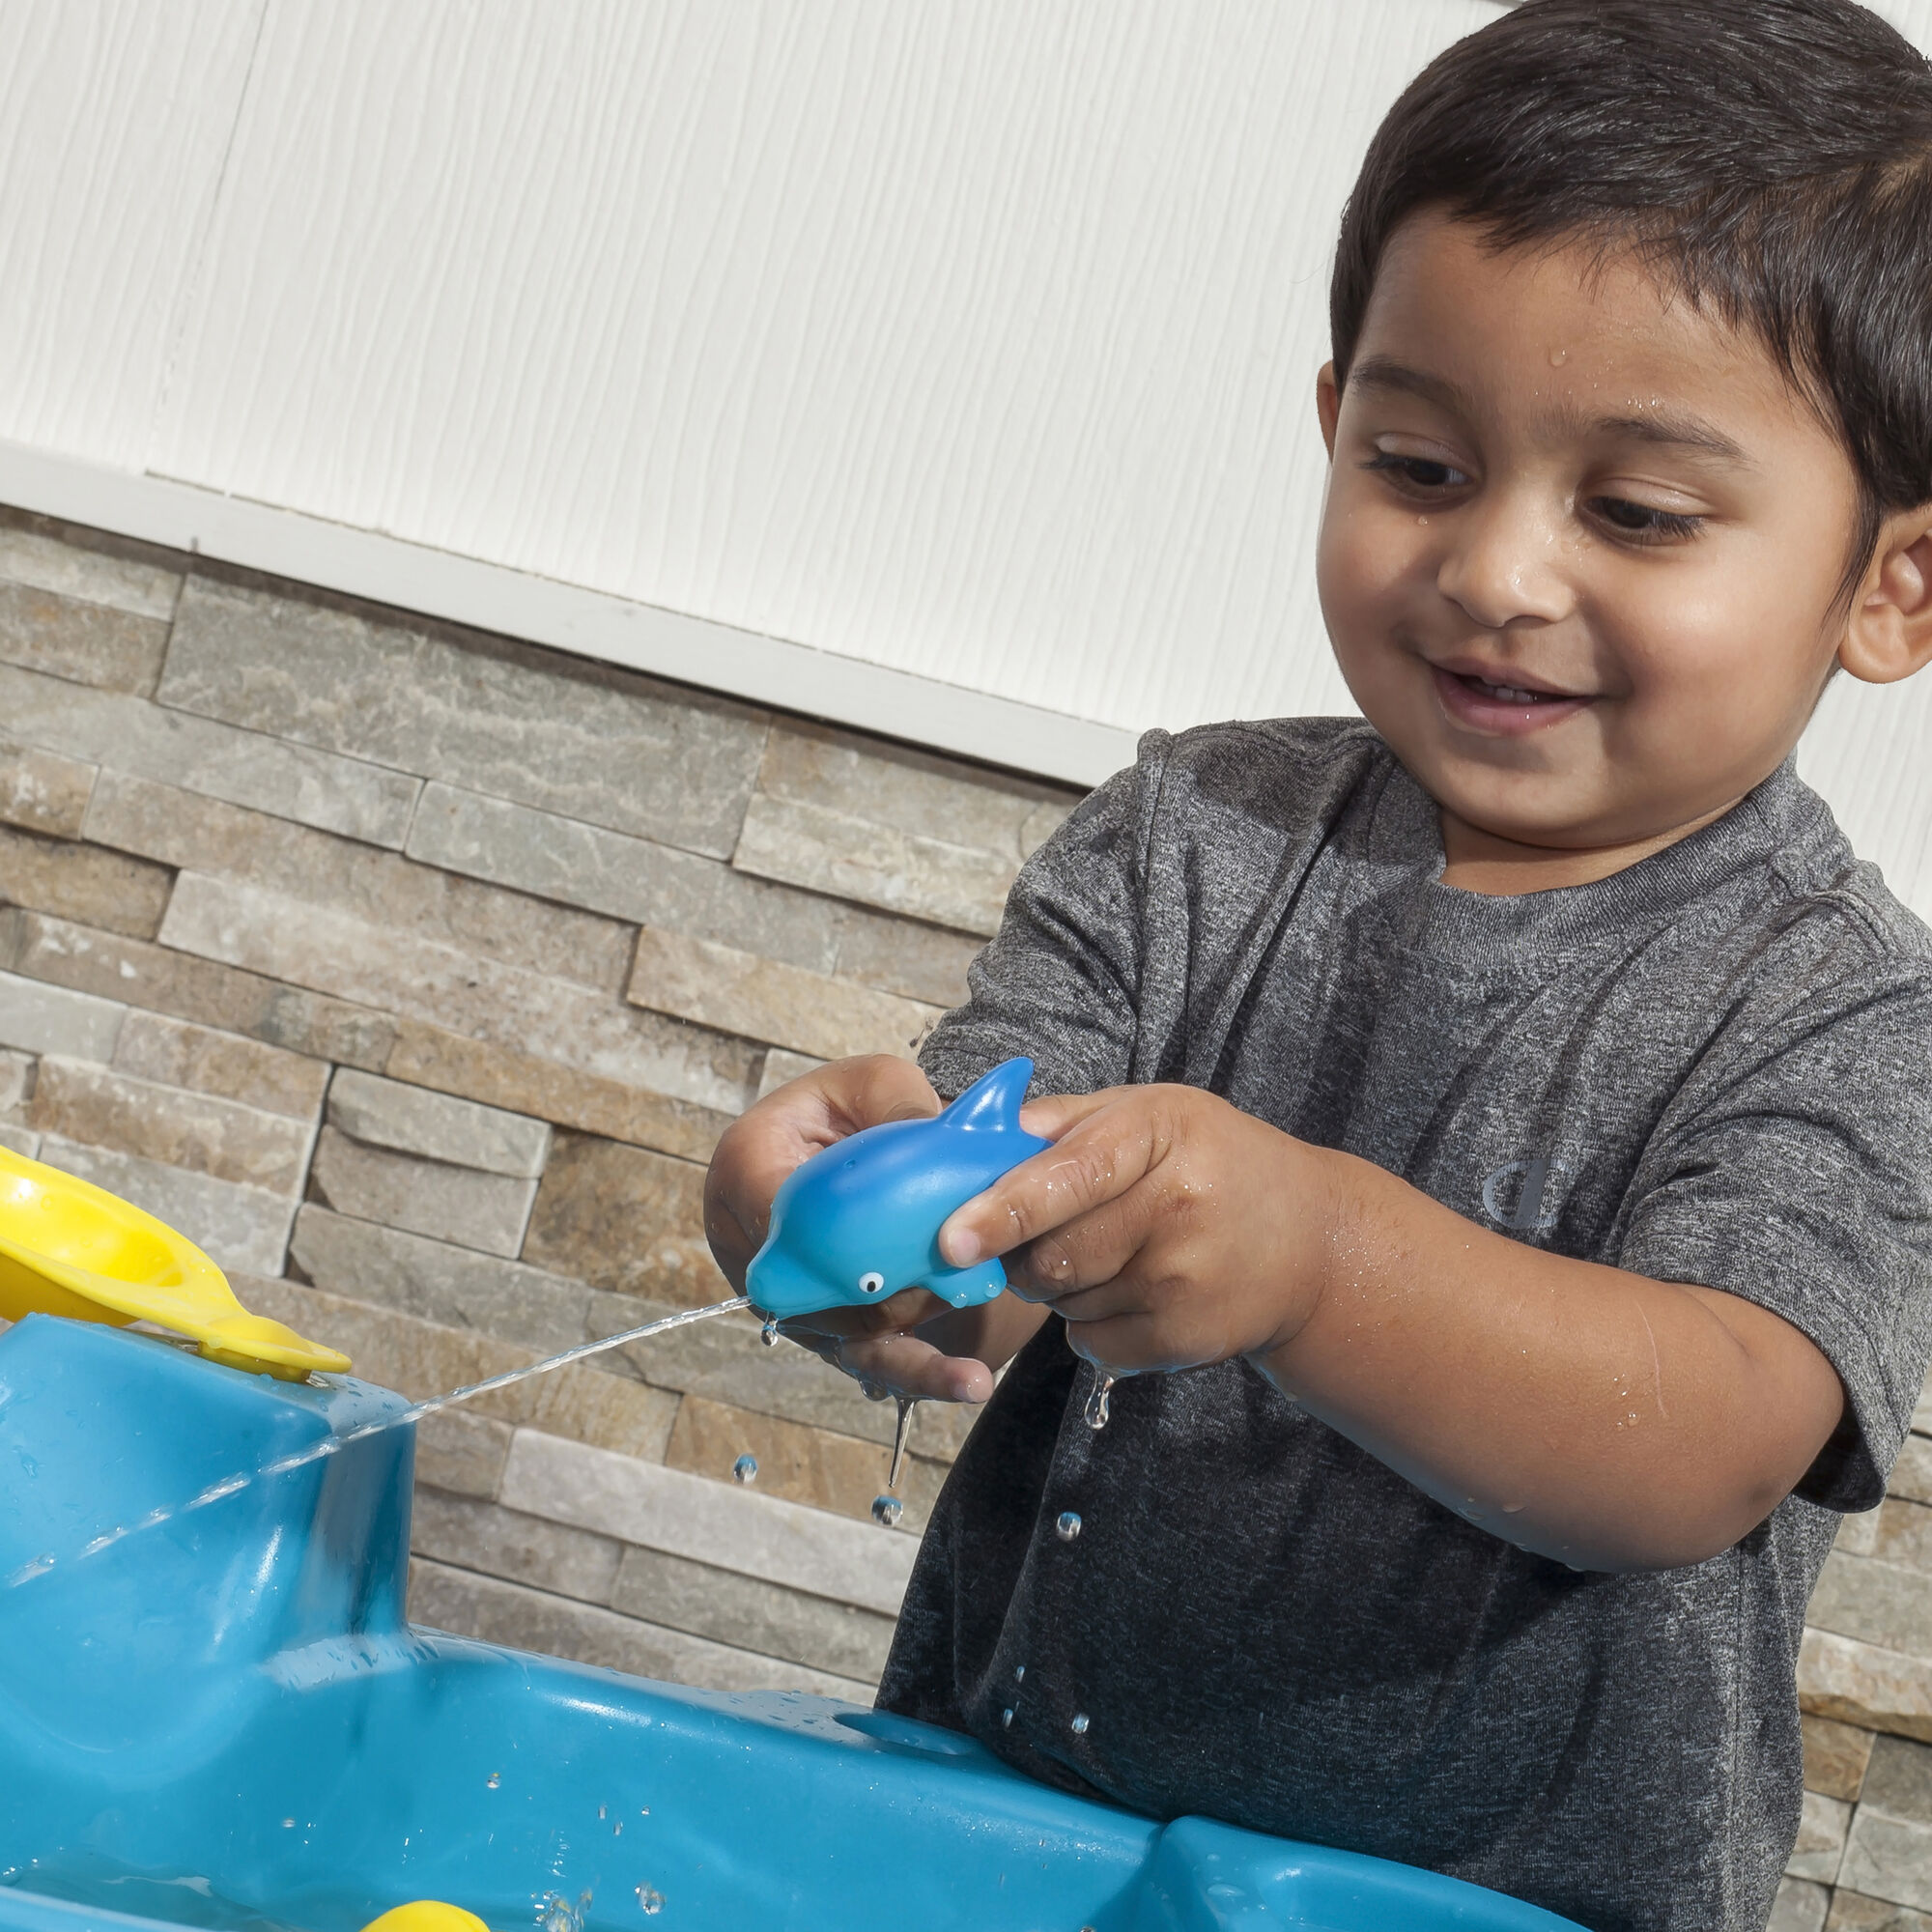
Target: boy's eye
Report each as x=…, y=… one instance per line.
x=1643, y=520
x=1416, y=473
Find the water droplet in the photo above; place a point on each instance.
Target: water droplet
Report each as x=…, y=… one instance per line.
x=602, y=1812
x=744, y=1470
x=873, y=1391
x=494, y=1781
x=1512, y=1509
x=1019, y=1673
x=617, y=1830
x=287, y=1823
x=769, y=1334
x=1558, y=356
x=651, y=1899
x=1007, y=1719
x=1079, y=1724
x=886, y=1511
x=1094, y=1414
x=556, y=1913
x=1068, y=1525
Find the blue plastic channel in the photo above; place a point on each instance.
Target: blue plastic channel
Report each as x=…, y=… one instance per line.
x=221, y=1720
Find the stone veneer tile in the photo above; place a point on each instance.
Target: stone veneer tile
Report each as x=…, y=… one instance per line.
x=1835, y=1756
x=437, y=1282
x=1821, y=1839
x=485, y=1537
x=627, y=1219
x=178, y=828
x=766, y=999
x=467, y=1604
x=584, y=740
x=1852, y=1913
x=1898, y=1781
x=87, y=565
x=1889, y=1859
x=83, y=882
x=39, y=1018
x=422, y=1359
x=238, y=1228
x=714, y=1522
x=58, y=953
x=178, y=1052
x=17, y=1078
x=803, y=1464
x=651, y=884
x=719, y=1359
x=753, y=1615
x=827, y=851
x=412, y=1120
x=522, y=1083
x=20, y=1141
x=313, y=946
x=1864, y=1684
x=485, y=1211
x=1885, y=1604
x=131, y=734
x=782, y=1066
x=199, y=1132
x=1800, y=1907
x=919, y=792
x=1911, y=1473
x=1904, y=1535
x=462, y=1454
x=70, y=637
x=44, y=791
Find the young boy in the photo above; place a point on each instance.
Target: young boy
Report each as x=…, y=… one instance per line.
x=1505, y=1123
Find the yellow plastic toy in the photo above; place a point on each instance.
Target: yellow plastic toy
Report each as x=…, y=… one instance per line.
x=67, y=1247
x=426, y=1915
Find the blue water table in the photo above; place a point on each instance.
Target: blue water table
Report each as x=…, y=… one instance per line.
x=213, y=1711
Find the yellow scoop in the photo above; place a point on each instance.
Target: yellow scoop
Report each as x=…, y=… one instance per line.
x=67, y=1247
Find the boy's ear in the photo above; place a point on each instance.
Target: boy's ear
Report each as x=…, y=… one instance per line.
x=1328, y=404
x=1889, y=632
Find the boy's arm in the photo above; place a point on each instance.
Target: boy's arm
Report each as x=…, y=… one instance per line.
x=1591, y=1414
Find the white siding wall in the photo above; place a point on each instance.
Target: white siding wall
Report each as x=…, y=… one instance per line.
x=964, y=348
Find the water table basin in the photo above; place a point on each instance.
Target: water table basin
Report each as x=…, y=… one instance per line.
x=220, y=1718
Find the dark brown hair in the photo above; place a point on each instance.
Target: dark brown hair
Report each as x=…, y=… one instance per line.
x=1771, y=159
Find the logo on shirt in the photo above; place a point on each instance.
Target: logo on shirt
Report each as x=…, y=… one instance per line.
x=1525, y=1195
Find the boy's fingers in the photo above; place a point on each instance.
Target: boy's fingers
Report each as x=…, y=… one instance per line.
x=903, y=1365
x=1051, y=1117
x=1092, y=1163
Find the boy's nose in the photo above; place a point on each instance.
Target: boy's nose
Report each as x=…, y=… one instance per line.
x=1503, y=565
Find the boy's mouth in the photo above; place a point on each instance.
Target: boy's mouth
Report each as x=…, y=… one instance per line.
x=1490, y=704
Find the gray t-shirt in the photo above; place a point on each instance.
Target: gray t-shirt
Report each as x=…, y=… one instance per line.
x=1714, y=1066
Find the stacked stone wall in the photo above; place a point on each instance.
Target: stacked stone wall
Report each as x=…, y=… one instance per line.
x=415, y=972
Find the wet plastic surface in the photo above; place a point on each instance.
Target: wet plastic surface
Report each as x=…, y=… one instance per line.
x=221, y=1720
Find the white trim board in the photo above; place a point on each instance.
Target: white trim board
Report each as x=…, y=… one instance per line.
x=542, y=610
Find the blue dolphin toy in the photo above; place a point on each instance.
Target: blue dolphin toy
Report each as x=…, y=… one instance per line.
x=860, y=1218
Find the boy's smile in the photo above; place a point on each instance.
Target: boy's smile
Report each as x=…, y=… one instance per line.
x=1581, y=555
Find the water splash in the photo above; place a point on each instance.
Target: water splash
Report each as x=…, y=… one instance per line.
x=744, y=1470
x=1096, y=1413
x=329, y=1445
x=901, y=1435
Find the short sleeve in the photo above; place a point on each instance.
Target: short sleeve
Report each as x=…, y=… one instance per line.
x=1795, y=1170
x=1060, y=982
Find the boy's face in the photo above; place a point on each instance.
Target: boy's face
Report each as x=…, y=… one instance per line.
x=1581, y=546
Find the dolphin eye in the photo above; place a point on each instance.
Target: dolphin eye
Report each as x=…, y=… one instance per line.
x=871, y=1283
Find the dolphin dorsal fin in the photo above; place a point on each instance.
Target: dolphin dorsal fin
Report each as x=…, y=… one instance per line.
x=993, y=1102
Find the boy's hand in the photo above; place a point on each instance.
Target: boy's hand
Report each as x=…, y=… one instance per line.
x=1168, y=1228
x=756, y=1153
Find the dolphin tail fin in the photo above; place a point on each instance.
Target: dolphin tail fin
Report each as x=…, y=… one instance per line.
x=993, y=1101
